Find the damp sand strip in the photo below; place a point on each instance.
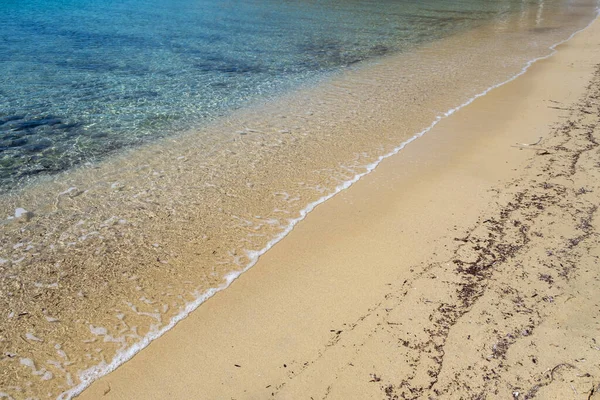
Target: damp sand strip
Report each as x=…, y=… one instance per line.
x=461, y=267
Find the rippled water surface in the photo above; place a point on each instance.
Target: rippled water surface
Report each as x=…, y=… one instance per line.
x=80, y=79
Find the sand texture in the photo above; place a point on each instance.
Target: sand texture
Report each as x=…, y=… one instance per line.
x=109, y=255
x=466, y=267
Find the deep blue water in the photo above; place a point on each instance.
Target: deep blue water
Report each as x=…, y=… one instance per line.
x=80, y=79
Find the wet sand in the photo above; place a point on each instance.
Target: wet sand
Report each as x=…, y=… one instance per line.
x=465, y=267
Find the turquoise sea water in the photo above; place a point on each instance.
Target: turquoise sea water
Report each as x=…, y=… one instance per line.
x=82, y=79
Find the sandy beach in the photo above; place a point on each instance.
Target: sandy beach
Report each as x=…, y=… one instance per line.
x=464, y=267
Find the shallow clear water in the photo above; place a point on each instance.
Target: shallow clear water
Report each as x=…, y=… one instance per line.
x=81, y=79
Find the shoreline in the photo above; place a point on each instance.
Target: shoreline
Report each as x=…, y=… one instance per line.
x=116, y=250
x=255, y=255
x=414, y=154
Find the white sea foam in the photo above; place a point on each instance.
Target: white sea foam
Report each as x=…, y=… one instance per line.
x=19, y=212
x=98, y=330
x=90, y=375
x=44, y=374
x=32, y=337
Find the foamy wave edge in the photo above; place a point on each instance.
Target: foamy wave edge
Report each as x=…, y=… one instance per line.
x=90, y=375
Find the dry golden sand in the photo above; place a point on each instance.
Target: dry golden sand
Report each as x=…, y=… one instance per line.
x=465, y=268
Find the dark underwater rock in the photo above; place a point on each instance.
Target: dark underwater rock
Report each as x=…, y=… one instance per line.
x=38, y=146
x=18, y=142
x=11, y=118
x=34, y=123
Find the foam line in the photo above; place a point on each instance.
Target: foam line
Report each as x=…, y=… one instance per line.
x=88, y=376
